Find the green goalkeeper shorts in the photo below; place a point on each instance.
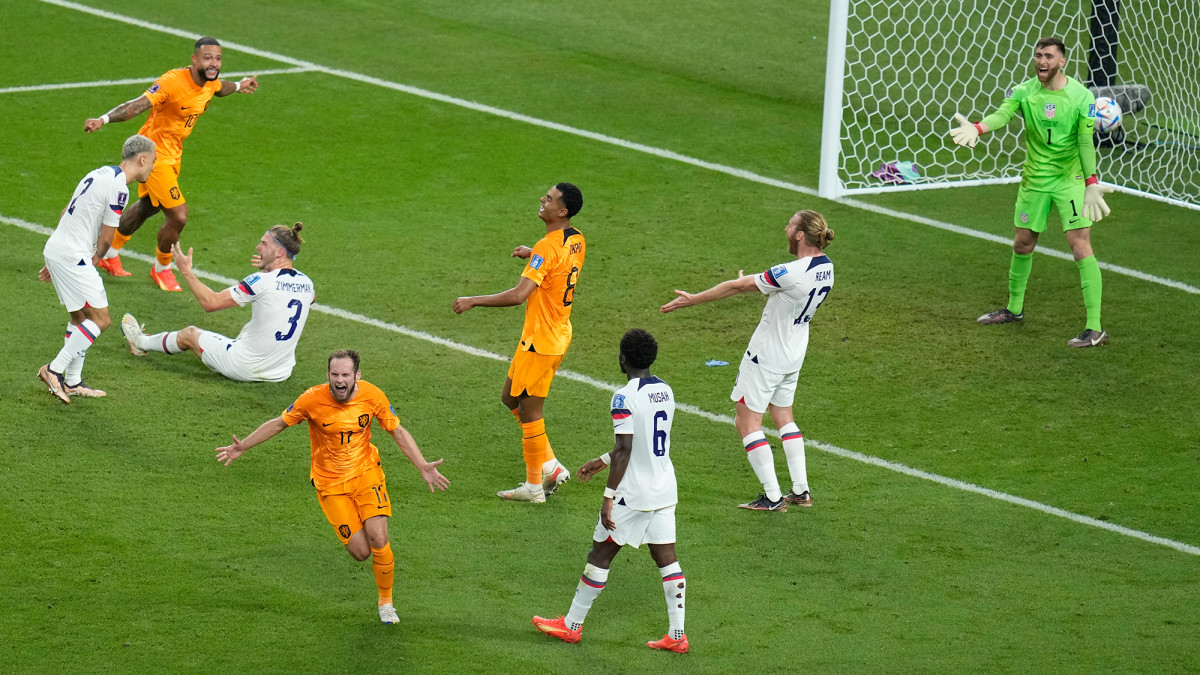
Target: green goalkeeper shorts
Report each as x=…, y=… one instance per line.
x=1033, y=208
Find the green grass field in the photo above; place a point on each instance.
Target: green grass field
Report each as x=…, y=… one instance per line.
x=129, y=549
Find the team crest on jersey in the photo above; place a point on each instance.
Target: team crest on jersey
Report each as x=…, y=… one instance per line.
x=1024, y=217
x=363, y=421
x=1050, y=110
x=536, y=261
x=152, y=89
x=618, y=401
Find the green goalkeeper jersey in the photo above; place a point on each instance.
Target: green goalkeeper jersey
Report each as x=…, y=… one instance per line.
x=1058, y=132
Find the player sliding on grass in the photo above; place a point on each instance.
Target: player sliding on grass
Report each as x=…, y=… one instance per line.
x=175, y=101
x=346, y=469
x=1059, y=119
x=280, y=297
x=547, y=287
x=766, y=379
x=639, y=501
x=85, y=230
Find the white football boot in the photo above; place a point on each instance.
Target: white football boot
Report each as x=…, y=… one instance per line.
x=525, y=492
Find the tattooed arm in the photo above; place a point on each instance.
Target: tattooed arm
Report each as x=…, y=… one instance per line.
x=126, y=111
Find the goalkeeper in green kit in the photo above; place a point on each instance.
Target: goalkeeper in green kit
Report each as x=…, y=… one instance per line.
x=1060, y=169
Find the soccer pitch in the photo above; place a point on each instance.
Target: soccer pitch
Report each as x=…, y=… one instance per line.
x=986, y=498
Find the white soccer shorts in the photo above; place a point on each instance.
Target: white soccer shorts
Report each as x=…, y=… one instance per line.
x=635, y=528
x=77, y=283
x=223, y=356
x=759, y=387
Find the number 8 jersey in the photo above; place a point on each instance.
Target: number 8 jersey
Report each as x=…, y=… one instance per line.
x=794, y=291
x=279, y=302
x=645, y=408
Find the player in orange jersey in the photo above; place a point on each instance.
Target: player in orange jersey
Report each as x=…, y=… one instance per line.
x=346, y=470
x=175, y=101
x=547, y=286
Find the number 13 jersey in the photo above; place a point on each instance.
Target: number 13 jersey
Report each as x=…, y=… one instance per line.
x=279, y=302
x=794, y=291
x=645, y=408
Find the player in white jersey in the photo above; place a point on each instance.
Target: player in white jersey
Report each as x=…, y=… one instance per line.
x=767, y=376
x=639, y=501
x=280, y=297
x=84, y=233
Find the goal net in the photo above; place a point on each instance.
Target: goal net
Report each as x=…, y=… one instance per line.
x=899, y=69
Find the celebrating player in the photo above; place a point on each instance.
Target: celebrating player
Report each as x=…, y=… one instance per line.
x=548, y=283
x=639, y=501
x=346, y=469
x=280, y=296
x=766, y=379
x=175, y=101
x=84, y=233
x=1059, y=119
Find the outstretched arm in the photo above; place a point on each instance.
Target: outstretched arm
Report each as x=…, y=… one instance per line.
x=266, y=430
x=742, y=284
x=429, y=472
x=513, y=296
x=209, y=299
x=247, y=85
x=126, y=111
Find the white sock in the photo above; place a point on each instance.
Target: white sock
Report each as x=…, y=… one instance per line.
x=758, y=451
x=167, y=343
x=74, y=372
x=590, y=585
x=793, y=449
x=76, y=344
x=112, y=253
x=674, y=589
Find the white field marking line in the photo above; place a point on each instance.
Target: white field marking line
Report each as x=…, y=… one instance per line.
x=138, y=80
x=724, y=419
x=629, y=145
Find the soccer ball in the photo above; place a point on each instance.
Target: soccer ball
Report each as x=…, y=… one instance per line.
x=1108, y=114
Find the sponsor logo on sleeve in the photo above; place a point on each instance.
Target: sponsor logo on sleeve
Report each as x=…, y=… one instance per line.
x=779, y=270
x=618, y=401
x=535, y=261
x=122, y=197
x=1092, y=110
x=290, y=408
x=153, y=88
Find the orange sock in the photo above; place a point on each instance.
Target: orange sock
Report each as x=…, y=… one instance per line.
x=383, y=563
x=534, y=445
x=164, y=259
x=119, y=240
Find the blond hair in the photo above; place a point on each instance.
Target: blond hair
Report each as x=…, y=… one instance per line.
x=816, y=231
x=288, y=238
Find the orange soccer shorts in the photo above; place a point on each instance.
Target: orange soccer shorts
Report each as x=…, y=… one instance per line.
x=349, y=503
x=532, y=373
x=163, y=185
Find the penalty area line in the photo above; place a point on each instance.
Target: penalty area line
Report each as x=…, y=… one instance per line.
x=693, y=410
x=610, y=140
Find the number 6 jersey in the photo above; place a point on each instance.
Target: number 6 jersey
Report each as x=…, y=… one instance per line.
x=279, y=302
x=794, y=291
x=645, y=408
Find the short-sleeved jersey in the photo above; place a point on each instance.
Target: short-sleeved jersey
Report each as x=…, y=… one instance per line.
x=98, y=200
x=794, y=291
x=554, y=266
x=645, y=408
x=176, y=104
x=340, y=433
x=1058, y=132
x=279, y=302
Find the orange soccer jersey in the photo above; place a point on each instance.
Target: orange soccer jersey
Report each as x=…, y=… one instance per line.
x=177, y=103
x=554, y=266
x=340, y=433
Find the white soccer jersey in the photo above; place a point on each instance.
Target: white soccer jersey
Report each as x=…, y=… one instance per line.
x=794, y=291
x=645, y=408
x=279, y=302
x=98, y=200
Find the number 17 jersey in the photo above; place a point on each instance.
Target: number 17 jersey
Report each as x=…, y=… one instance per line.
x=794, y=291
x=645, y=408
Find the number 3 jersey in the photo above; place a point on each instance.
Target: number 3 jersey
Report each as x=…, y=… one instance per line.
x=645, y=408
x=279, y=302
x=794, y=291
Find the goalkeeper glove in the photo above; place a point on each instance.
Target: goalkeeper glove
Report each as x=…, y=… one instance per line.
x=1094, y=208
x=966, y=133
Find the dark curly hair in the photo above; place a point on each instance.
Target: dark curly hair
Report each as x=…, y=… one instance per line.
x=640, y=348
x=572, y=198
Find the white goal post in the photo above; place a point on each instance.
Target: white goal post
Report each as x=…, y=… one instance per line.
x=898, y=69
